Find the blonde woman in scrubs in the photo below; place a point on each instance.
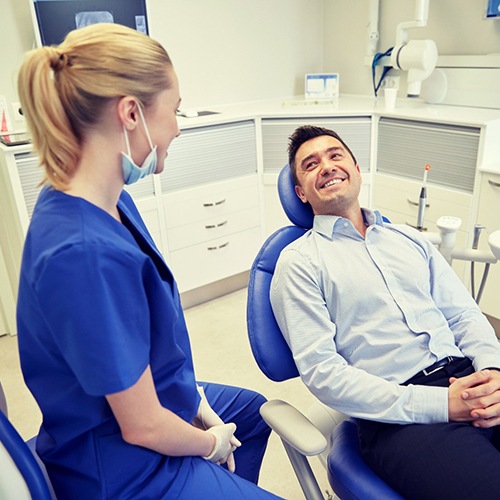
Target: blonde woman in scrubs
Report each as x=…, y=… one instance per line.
x=103, y=342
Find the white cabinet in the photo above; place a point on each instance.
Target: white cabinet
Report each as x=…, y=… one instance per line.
x=19, y=177
x=213, y=231
x=489, y=216
x=211, y=203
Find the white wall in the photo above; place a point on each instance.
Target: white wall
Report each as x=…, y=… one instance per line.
x=224, y=51
x=16, y=37
x=234, y=50
x=457, y=27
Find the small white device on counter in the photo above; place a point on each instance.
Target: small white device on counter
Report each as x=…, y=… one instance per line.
x=322, y=85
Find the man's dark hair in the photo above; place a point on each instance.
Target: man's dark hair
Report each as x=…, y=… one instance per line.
x=304, y=134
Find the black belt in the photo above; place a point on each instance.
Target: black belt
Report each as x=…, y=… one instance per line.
x=438, y=365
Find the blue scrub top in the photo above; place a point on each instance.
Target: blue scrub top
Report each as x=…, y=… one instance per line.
x=97, y=304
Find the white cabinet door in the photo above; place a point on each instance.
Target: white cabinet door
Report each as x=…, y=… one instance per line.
x=489, y=216
x=397, y=199
x=7, y=301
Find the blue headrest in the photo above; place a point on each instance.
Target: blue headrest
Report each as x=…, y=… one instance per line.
x=299, y=213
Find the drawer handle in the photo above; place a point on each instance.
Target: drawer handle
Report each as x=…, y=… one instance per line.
x=416, y=204
x=493, y=183
x=211, y=249
x=220, y=202
x=213, y=226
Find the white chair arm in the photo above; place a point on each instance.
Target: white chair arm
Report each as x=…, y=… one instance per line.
x=293, y=427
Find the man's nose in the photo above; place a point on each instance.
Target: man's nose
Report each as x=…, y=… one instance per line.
x=327, y=167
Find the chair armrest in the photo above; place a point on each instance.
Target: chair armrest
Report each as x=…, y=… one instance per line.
x=293, y=427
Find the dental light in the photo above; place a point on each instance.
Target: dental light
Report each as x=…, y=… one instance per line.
x=418, y=57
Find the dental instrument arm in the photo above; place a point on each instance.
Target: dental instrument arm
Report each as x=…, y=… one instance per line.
x=418, y=57
x=422, y=200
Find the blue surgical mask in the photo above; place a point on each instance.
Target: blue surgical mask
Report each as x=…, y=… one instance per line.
x=132, y=172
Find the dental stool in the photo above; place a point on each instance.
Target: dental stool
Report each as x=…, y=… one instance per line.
x=348, y=474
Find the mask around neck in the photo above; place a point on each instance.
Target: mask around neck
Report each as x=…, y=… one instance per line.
x=132, y=172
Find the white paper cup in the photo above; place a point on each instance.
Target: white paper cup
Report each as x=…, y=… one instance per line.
x=390, y=98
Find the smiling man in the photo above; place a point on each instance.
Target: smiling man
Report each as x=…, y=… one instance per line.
x=382, y=329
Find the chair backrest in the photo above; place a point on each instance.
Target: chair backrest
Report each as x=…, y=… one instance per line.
x=20, y=474
x=268, y=345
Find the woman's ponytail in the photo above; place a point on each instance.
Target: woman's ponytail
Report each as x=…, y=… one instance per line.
x=53, y=137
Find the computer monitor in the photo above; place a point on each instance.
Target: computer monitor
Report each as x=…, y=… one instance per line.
x=54, y=19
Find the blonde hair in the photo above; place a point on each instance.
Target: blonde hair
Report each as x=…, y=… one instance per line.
x=63, y=88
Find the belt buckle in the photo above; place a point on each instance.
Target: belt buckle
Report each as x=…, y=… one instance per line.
x=427, y=373
x=448, y=360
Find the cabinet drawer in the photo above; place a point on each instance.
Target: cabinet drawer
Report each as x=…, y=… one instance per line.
x=213, y=228
x=205, y=263
x=402, y=196
x=210, y=202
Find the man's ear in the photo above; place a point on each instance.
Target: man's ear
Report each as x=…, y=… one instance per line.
x=128, y=112
x=300, y=194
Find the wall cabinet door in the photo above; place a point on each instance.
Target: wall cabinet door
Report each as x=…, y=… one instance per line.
x=404, y=148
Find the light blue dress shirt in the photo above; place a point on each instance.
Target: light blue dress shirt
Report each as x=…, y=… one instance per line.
x=363, y=315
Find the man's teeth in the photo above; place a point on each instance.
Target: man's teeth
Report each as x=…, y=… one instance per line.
x=333, y=181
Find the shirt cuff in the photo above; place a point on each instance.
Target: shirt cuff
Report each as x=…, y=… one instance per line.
x=430, y=404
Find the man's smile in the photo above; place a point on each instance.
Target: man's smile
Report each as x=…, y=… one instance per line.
x=332, y=182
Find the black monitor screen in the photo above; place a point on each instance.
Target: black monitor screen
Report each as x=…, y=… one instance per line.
x=56, y=18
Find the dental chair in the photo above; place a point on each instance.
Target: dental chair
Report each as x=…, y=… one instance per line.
x=22, y=474
x=348, y=474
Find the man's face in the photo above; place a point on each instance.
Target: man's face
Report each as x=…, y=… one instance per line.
x=328, y=177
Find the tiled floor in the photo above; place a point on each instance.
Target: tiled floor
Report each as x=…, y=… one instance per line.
x=221, y=354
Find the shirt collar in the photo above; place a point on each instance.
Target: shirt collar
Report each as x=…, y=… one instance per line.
x=325, y=224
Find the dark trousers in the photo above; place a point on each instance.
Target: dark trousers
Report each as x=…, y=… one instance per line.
x=435, y=461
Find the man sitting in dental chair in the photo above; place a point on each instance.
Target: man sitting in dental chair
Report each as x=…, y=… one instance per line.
x=382, y=329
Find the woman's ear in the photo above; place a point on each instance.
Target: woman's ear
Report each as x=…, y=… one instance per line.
x=128, y=112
